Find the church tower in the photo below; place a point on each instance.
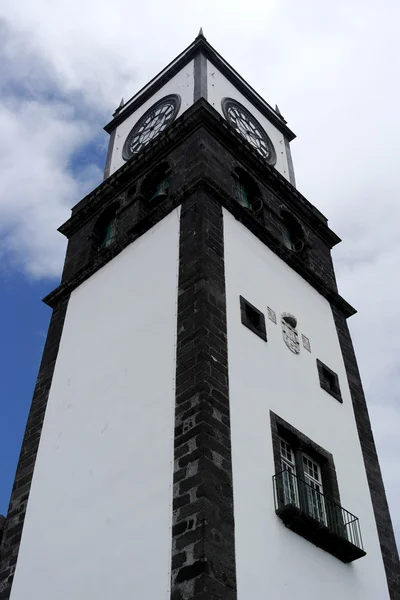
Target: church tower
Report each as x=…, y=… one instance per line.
x=198, y=428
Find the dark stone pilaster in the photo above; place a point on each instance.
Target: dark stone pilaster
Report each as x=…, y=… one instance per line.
x=292, y=178
x=381, y=510
x=26, y=464
x=109, y=154
x=203, y=550
x=200, y=77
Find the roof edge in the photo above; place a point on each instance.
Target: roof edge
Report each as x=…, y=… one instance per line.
x=200, y=45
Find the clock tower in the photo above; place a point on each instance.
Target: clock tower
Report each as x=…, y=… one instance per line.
x=198, y=428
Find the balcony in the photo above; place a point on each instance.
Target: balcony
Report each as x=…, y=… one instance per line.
x=315, y=517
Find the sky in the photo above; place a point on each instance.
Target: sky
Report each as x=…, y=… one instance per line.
x=331, y=68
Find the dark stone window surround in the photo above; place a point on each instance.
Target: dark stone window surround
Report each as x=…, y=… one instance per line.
x=109, y=213
x=333, y=391
x=302, y=444
x=292, y=227
x=241, y=177
x=162, y=171
x=259, y=330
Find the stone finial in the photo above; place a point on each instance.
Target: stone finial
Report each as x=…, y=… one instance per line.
x=119, y=107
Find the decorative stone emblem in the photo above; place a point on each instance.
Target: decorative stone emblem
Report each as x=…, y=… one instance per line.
x=271, y=315
x=289, y=333
x=306, y=342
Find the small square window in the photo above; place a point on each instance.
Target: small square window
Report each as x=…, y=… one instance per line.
x=329, y=381
x=253, y=318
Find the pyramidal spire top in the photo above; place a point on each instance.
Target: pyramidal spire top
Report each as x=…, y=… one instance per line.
x=200, y=34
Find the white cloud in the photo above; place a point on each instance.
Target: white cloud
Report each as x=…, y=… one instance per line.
x=332, y=70
x=37, y=188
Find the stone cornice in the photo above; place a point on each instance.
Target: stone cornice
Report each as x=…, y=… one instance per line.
x=200, y=114
x=244, y=216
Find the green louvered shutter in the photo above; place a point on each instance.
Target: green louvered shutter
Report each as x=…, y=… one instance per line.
x=287, y=239
x=242, y=195
x=109, y=233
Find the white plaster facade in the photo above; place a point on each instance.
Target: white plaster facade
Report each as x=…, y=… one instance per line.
x=182, y=83
x=266, y=376
x=98, y=522
x=219, y=87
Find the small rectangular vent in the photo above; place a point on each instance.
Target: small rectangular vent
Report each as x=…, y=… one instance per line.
x=329, y=380
x=253, y=318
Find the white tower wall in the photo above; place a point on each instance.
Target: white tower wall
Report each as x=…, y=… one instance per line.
x=98, y=524
x=266, y=376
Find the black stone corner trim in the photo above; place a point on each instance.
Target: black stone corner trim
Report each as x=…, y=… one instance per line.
x=381, y=510
x=200, y=77
x=292, y=178
x=107, y=168
x=329, y=381
x=253, y=318
x=203, y=545
x=2, y=525
x=23, y=478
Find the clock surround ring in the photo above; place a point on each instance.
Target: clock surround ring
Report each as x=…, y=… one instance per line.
x=152, y=123
x=250, y=129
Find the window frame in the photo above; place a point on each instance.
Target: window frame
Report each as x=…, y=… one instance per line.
x=289, y=465
x=259, y=330
x=333, y=391
x=301, y=444
x=105, y=229
x=242, y=194
x=329, y=533
x=110, y=231
x=161, y=185
x=293, y=236
x=316, y=484
x=247, y=192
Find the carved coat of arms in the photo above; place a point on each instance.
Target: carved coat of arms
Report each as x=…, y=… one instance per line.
x=290, y=337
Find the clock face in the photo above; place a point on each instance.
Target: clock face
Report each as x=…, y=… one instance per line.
x=249, y=128
x=151, y=124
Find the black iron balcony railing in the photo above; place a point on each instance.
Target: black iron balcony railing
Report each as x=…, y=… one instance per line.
x=313, y=515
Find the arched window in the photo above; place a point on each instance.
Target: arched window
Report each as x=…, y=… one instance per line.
x=130, y=192
x=106, y=228
x=109, y=232
x=156, y=186
x=160, y=189
x=292, y=232
x=247, y=192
